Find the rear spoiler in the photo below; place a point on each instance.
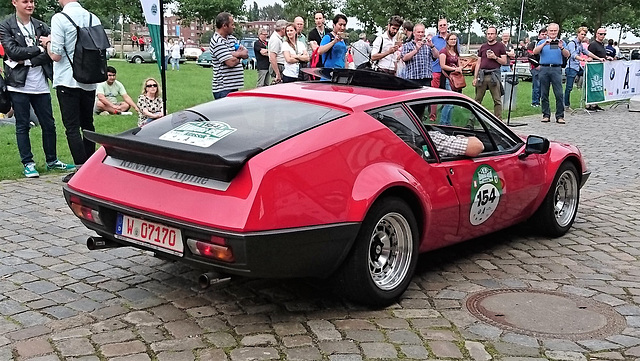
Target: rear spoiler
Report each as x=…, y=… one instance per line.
x=126, y=146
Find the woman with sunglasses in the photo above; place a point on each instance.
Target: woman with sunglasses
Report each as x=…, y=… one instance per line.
x=149, y=102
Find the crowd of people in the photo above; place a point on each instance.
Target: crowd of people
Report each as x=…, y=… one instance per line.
x=36, y=54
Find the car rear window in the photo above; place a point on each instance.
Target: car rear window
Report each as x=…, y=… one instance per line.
x=231, y=125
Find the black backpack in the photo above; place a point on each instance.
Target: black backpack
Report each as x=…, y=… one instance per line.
x=90, y=57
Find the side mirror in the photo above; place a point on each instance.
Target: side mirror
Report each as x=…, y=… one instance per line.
x=535, y=145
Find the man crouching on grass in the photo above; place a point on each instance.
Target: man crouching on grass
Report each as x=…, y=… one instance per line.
x=107, y=93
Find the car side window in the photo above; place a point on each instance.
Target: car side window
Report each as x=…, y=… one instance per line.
x=399, y=122
x=457, y=118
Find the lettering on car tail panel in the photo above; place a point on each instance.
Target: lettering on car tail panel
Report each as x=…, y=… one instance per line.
x=167, y=174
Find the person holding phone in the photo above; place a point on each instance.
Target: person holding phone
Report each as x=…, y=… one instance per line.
x=332, y=47
x=551, y=52
x=418, y=55
x=492, y=55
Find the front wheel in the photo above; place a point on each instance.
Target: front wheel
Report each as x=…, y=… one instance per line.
x=560, y=206
x=383, y=259
x=137, y=60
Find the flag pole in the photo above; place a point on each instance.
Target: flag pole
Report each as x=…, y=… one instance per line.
x=514, y=77
x=163, y=65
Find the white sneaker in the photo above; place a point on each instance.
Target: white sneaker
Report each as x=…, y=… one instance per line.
x=126, y=113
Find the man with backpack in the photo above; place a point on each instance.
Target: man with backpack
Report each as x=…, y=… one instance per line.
x=76, y=99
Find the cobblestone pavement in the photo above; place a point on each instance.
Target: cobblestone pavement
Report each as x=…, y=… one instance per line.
x=59, y=301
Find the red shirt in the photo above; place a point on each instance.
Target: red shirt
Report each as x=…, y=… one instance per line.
x=490, y=64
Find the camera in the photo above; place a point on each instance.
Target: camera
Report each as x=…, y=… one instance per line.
x=554, y=44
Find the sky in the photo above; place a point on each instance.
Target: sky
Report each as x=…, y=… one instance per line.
x=611, y=33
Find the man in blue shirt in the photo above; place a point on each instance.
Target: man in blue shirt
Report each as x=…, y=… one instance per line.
x=551, y=51
x=332, y=47
x=76, y=99
x=439, y=42
x=578, y=53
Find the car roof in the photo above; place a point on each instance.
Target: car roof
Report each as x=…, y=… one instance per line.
x=348, y=98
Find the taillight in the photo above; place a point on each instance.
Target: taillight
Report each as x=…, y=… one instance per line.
x=215, y=248
x=87, y=213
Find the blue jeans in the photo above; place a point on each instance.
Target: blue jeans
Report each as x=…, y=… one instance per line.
x=175, y=63
x=551, y=77
x=571, y=78
x=445, y=115
x=41, y=104
x=535, y=88
x=223, y=93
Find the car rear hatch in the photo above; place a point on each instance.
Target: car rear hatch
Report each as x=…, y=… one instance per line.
x=214, y=140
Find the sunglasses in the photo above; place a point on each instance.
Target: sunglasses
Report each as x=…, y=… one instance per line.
x=152, y=85
x=602, y=33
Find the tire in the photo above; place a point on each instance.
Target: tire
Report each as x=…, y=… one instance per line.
x=137, y=60
x=560, y=206
x=383, y=258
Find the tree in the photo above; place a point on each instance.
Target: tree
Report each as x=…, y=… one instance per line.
x=130, y=10
x=254, y=12
x=206, y=11
x=272, y=12
x=308, y=8
x=375, y=14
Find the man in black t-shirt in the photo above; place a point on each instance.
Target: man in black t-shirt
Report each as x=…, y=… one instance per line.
x=316, y=34
x=262, y=58
x=597, y=46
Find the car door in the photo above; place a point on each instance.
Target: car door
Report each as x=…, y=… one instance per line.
x=495, y=188
x=437, y=196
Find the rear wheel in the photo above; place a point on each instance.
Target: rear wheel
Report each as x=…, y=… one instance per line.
x=560, y=206
x=383, y=259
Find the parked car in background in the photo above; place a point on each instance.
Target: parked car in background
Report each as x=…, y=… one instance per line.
x=148, y=55
x=468, y=63
x=192, y=51
x=111, y=52
x=249, y=63
x=204, y=60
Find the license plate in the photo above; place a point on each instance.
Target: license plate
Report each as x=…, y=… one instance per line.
x=150, y=234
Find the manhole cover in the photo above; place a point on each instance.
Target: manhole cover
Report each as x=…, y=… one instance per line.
x=546, y=314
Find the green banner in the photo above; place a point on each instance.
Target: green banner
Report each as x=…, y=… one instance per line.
x=156, y=42
x=594, y=82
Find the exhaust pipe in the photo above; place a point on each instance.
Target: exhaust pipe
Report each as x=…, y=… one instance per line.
x=95, y=242
x=212, y=279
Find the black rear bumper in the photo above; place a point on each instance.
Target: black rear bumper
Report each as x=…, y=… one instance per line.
x=315, y=251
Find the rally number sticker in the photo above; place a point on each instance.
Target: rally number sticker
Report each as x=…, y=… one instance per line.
x=485, y=194
x=200, y=134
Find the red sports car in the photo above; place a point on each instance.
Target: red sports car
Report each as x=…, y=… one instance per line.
x=338, y=178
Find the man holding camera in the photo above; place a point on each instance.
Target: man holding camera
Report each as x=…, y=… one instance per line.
x=487, y=74
x=551, y=52
x=385, y=46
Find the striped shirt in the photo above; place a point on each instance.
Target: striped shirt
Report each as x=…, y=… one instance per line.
x=224, y=77
x=419, y=66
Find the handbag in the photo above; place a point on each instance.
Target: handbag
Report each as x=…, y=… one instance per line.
x=457, y=80
x=5, y=100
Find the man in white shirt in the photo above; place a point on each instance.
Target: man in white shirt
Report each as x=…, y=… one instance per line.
x=276, y=55
x=384, y=47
